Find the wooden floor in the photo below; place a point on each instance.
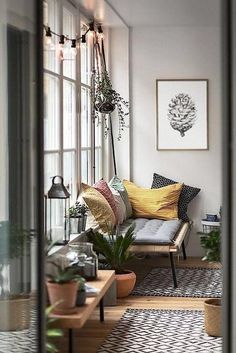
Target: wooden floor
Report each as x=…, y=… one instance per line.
x=90, y=337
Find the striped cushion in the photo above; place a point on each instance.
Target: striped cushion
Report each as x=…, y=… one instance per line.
x=104, y=189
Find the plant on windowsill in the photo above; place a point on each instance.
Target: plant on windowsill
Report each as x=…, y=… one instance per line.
x=14, y=246
x=211, y=242
x=78, y=217
x=114, y=249
x=63, y=287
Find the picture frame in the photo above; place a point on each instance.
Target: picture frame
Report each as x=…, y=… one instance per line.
x=182, y=114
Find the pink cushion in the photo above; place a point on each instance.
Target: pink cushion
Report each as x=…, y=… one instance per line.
x=104, y=189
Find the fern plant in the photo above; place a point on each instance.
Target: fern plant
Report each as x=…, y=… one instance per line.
x=115, y=248
x=212, y=244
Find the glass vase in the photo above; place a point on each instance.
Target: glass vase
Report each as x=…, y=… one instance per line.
x=85, y=258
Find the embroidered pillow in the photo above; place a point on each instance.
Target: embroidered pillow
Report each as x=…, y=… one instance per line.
x=187, y=194
x=104, y=189
x=120, y=206
x=99, y=207
x=117, y=184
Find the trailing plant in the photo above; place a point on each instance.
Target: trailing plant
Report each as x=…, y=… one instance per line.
x=106, y=100
x=115, y=248
x=211, y=242
x=51, y=332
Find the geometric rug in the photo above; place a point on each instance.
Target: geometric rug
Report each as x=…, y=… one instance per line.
x=161, y=331
x=192, y=282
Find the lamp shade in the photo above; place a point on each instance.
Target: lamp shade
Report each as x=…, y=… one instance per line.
x=58, y=189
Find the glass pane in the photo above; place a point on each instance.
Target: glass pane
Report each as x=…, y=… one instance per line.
x=85, y=118
x=19, y=176
x=98, y=164
x=51, y=60
x=98, y=132
x=51, y=112
x=51, y=168
x=85, y=59
x=69, y=174
x=69, y=54
x=86, y=167
x=69, y=115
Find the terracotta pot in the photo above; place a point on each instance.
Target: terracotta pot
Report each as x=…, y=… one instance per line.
x=65, y=295
x=15, y=313
x=213, y=317
x=125, y=283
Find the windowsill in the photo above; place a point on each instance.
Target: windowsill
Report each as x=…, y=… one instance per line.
x=73, y=237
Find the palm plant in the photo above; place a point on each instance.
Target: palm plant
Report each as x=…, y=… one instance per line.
x=115, y=248
x=51, y=332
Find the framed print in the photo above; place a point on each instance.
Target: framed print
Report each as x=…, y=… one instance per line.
x=182, y=114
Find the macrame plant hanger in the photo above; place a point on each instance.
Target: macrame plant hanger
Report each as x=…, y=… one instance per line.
x=100, y=54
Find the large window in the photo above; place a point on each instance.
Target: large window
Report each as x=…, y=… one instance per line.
x=73, y=141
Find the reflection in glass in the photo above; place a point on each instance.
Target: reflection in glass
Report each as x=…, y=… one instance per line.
x=19, y=175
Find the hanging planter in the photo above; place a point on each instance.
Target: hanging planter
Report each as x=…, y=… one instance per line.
x=106, y=100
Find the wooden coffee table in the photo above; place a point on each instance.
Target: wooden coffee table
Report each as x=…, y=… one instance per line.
x=75, y=321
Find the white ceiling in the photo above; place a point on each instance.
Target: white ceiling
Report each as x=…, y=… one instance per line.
x=168, y=12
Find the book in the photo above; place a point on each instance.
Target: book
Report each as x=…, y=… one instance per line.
x=91, y=291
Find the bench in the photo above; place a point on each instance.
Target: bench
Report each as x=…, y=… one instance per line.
x=175, y=246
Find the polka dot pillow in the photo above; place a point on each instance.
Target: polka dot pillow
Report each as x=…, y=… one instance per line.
x=187, y=194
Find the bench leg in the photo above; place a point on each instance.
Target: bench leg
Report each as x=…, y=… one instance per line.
x=173, y=270
x=184, y=251
x=101, y=307
x=71, y=340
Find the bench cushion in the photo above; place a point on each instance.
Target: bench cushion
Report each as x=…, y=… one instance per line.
x=153, y=231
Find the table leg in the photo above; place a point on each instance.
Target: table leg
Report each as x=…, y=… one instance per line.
x=101, y=306
x=70, y=340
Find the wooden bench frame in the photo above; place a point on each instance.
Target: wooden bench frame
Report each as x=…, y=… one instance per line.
x=170, y=249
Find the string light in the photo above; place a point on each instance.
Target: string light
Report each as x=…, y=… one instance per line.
x=64, y=40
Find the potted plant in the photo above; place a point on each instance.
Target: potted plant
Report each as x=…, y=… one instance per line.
x=14, y=245
x=211, y=242
x=115, y=250
x=78, y=217
x=62, y=288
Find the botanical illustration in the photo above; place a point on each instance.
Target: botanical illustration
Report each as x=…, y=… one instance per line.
x=182, y=113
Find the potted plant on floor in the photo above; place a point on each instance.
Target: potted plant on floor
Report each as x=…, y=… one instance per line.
x=14, y=304
x=211, y=242
x=62, y=288
x=115, y=251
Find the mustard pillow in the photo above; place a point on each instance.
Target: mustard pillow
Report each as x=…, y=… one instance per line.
x=99, y=207
x=154, y=203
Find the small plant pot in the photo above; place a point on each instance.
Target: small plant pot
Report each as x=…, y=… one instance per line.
x=73, y=225
x=213, y=317
x=125, y=283
x=81, y=298
x=64, y=295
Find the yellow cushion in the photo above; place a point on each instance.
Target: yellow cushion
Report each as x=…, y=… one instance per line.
x=99, y=207
x=154, y=203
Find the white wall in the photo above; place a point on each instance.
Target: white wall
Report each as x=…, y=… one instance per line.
x=176, y=52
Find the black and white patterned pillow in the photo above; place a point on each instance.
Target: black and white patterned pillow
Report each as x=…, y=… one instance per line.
x=187, y=194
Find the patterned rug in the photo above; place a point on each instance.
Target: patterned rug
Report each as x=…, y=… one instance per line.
x=192, y=282
x=160, y=331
